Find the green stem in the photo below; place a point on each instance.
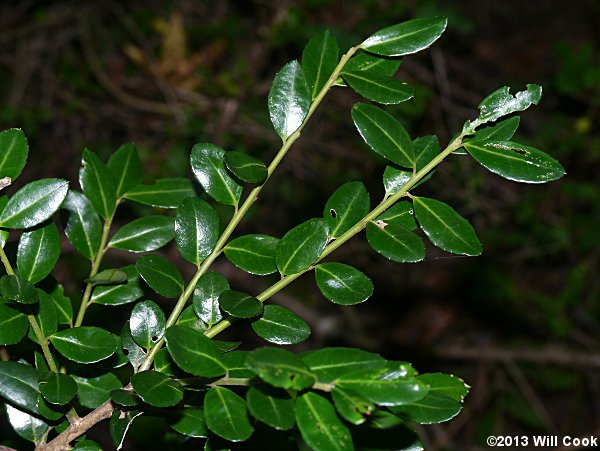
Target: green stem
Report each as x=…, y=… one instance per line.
x=241, y=212
x=358, y=227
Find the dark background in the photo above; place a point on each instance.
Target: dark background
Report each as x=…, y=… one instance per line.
x=520, y=324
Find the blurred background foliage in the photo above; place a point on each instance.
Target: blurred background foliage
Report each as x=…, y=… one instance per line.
x=520, y=324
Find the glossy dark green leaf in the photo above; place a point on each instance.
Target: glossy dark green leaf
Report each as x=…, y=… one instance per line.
x=135, y=354
x=320, y=426
x=445, y=385
x=302, y=246
x=38, y=252
x=345, y=207
x=373, y=65
x=254, y=254
x=46, y=316
x=378, y=88
x=57, y=388
x=87, y=445
x=426, y=149
x=194, y=353
x=126, y=168
x=147, y=323
x=144, y=234
x=289, y=99
x=208, y=164
x=280, y=326
x=433, y=408
x=157, y=389
x=395, y=242
x=62, y=304
x=94, y=391
x=13, y=325
x=13, y=150
x=226, y=415
x=515, y=161
x=161, y=275
x=188, y=318
x=240, y=305
x=271, y=406
x=501, y=102
x=34, y=203
x=350, y=407
x=502, y=131
x=188, y=421
x=343, y=284
x=330, y=363
x=19, y=385
x=164, y=193
x=400, y=213
x=406, y=37
x=196, y=229
x=280, y=368
x=445, y=227
x=384, y=134
x=120, y=422
x=126, y=398
x=120, y=294
x=206, y=297
x=245, y=167
x=26, y=426
x=107, y=277
x=17, y=289
x=236, y=364
x=83, y=228
x=84, y=344
x=98, y=184
x=394, y=179
x=319, y=59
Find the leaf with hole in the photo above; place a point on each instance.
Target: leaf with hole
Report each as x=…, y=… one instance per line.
x=272, y=406
x=280, y=326
x=254, y=254
x=83, y=228
x=206, y=297
x=194, y=353
x=501, y=102
x=345, y=207
x=208, y=165
x=98, y=184
x=85, y=344
x=246, y=167
x=13, y=325
x=280, y=368
x=319, y=60
x=289, y=99
x=240, y=305
x=120, y=294
x=395, y=242
x=126, y=168
x=196, y=229
x=161, y=275
x=34, y=203
x=94, y=391
x=164, y=193
x=445, y=227
x=14, y=150
x=330, y=363
x=378, y=88
x=144, y=234
x=147, y=323
x=57, y=388
x=343, y=284
x=14, y=288
x=302, y=246
x=157, y=389
x=226, y=415
x=38, y=252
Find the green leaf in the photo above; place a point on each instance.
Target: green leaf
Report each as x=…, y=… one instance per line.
x=126, y=168
x=19, y=385
x=426, y=149
x=208, y=165
x=395, y=242
x=379, y=387
x=289, y=99
x=147, y=323
x=87, y=445
x=345, y=207
x=188, y=318
x=107, y=277
x=206, y=297
x=302, y=246
x=502, y=131
x=135, y=354
x=245, y=167
x=120, y=422
x=126, y=398
x=144, y=234
x=194, y=353
x=62, y=304
x=384, y=134
x=254, y=254
x=84, y=344
x=445, y=384
x=280, y=368
x=226, y=415
x=501, y=102
x=157, y=389
x=350, y=407
x=271, y=406
x=20, y=290
x=14, y=150
x=330, y=363
x=161, y=275
x=13, y=325
x=188, y=421
x=378, y=88
x=120, y=294
x=319, y=425
x=34, y=203
x=164, y=193
x=433, y=408
x=394, y=179
x=196, y=229
x=514, y=161
x=240, y=305
x=57, y=388
x=95, y=391
x=343, y=284
x=38, y=252
x=445, y=227
x=319, y=59
x=236, y=365
x=400, y=213
x=46, y=316
x=98, y=184
x=280, y=326
x=83, y=229
x=406, y=37
x=373, y=65
x=26, y=426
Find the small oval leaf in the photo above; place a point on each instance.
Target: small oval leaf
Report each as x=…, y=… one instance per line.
x=161, y=275
x=254, y=254
x=271, y=406
x=245, y=167
x=13, y=325
x=84, y=344
x=144, y=234
x=395, y=242
x=98, y=184
x=194, y=353
x=38, y=252
x=120, y=294
x=280, y=326
x=206, y=297
x=346, y=206
x=240, y=305
x=107, y=277
x=147, y=323
x=83, y=228
x=126, y=168
x=319, y=60
x=164, y=193
x=302, y=246
x=343, y=284
x=280, y=368
x=226, y=415
x=196, y=229
x=157, y=389
x=377, y=88
x=57, y=388
x=208, y=165
x=14, y=150
x=17, y=289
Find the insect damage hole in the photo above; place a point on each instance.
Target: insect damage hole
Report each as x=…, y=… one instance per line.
x=333, y=213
